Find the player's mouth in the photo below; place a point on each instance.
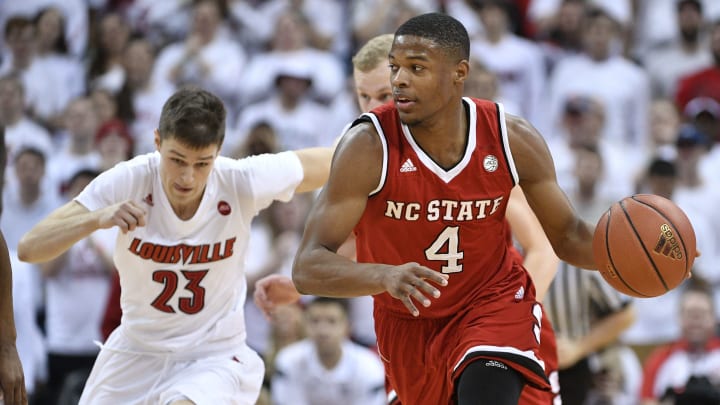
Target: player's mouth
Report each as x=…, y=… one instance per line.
x=182, y=190
x=403, y=103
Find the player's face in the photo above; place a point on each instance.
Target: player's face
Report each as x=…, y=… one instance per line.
x=326, y=325
x=422, y=77
x=184, y=170
x=373, y=88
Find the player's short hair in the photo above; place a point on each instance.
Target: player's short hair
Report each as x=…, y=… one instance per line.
x=193, y=116
x=373, y=53
x=445, y=31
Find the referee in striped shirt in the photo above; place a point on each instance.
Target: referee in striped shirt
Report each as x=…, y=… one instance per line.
x=588, y=316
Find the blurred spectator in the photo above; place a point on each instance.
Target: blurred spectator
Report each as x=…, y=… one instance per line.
x=296, y=118
x=561, y=34
x=483, y=83
x=261, y=139
x=74, y=12
x=686, y=54
x=106, y=69
x=78, y=144
x=44, y=97
x=543, y=13
x=160, y=22
x=348, y=373
x=20, y=130
x=664, y=123
x=52, y=51
x=105, y=104
x=114, y=143
x=703, y=82
x=687, y=371
x=583, y=125
x=585, y=195
x=142, y=96
x=257, y=21
x=207, y=57
x=290, y=45
x=517, y=62
x=77, y=284
x=376, y=17
x=617, y=83
x=326, y=21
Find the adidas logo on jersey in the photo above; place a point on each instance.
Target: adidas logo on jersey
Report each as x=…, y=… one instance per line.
x=494, y=363
x=408, y=166
x=520, y=294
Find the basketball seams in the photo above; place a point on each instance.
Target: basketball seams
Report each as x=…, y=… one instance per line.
x=609, y=255
x=647, y=254
x=675, y=229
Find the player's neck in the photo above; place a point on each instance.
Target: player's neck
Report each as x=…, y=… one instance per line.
x=185, y=211
x=444, y=138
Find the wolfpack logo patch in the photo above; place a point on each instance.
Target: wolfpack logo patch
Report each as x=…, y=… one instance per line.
x=490, y=163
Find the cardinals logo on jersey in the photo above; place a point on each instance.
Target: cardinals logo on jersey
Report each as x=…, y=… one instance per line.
x=149, y=200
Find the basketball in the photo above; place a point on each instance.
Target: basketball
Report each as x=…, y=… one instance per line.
x=644, y=245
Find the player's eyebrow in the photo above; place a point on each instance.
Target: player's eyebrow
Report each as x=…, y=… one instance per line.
x=210, y=157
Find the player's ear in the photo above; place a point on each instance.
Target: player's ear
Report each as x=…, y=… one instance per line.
x=462, y=70
x=158, y=141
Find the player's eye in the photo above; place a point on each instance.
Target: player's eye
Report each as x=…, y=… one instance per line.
x=202, y=164
x=393, y=67
x=418, y=68
x=176, y=161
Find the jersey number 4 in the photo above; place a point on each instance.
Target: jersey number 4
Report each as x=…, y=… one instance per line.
x=450, y=254
x=169, y=279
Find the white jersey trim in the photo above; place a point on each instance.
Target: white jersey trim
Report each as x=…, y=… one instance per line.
x=506, y=142
x=528, y=354
x=383, y=141
x=427, y=161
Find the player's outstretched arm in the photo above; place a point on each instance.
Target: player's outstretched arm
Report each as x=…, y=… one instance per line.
x=316, y=167
x=72, y=222
x=569, y=235
x=12, y=381
x=318, y=269
x=539, y=257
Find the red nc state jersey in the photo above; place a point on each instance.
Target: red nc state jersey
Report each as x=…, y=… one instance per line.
x=450, y=220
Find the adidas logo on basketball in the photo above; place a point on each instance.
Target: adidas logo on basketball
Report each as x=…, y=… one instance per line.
x=408, y=166
x=667, y=245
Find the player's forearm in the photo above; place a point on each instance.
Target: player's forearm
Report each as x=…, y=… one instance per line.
x=316, y=167
x=322, y=272
x=53, y=236
x=576, y=248
x=542, y=264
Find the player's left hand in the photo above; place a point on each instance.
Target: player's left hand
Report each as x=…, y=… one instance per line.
x=272, y=291
x=12, y=380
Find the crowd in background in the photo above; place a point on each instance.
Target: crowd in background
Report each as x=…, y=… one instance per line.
x=626, y=93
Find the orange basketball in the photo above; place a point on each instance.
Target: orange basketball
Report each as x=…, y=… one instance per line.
x=644, y=245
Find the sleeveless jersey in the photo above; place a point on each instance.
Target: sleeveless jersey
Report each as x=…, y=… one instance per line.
x=453, y=220
x=182, y=281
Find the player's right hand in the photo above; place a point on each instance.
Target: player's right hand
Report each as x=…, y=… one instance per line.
x=126, y=215
x=411, y=281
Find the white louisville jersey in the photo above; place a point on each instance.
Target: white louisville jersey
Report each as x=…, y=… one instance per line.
x=183, y=281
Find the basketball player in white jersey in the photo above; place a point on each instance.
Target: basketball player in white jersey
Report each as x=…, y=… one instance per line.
x=184, y=215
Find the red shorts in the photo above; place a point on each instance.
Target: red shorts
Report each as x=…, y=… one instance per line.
x=423, y=357
x=548, y=352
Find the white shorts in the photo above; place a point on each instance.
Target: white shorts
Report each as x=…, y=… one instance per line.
x=124, y=377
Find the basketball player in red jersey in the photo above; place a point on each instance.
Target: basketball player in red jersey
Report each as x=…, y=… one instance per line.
x=424, y=184
x=372, y=87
